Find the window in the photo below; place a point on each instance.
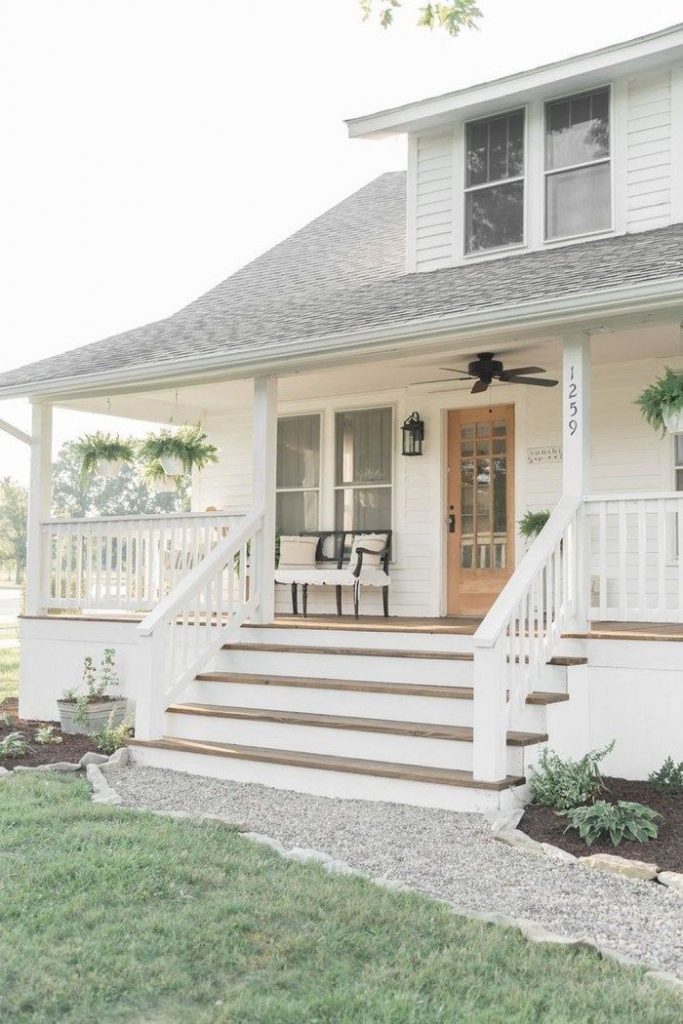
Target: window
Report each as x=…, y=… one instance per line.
x=363, y=469
x=298, y=474
x=578, y=193
x=678, y=461
x=494, y=183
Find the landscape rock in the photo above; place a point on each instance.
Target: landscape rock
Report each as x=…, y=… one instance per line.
x=304, y=856
x=102, y=791
x=673, y=880
x=119, y=758
x=58, y=766
x=667, y=979
x=620, y=866
x=555, y=853
x=92, y=758
x=504, y=821
x=5, y=773
x=257, y=837
x=535, y=932
x=518, y=840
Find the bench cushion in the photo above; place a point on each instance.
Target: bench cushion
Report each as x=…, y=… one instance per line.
x=297, y=552
x=371, y=541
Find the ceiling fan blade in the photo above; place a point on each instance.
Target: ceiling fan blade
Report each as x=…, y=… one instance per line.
x=444, y=380
x=452, y=369
x=479, y=386
x=541, y=382
x=521, y=370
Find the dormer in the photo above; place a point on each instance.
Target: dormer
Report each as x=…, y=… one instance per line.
x=581, y=149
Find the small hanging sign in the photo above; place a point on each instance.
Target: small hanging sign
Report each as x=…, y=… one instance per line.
x=544, y=453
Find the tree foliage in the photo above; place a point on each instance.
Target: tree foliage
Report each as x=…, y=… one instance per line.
x=13, y=512
x=451, y=15
x=124, y=495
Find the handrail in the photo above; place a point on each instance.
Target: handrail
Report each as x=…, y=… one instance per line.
x=144, y=517
x=632, y=496
x=494, y=624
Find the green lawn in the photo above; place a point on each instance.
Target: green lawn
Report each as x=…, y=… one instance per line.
x=9, y=672
x=111, y=916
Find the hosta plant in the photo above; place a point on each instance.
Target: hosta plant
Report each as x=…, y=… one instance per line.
x=623, y=820
x=562, y=783
x=14, y=745
x=665, y=395
x=46, y=735
x=669, y=778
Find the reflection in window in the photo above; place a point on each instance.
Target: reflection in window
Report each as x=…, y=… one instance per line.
x=363, y=469
x=298, y=474
x=494, y=184
x=577, y=161
x=483, y=495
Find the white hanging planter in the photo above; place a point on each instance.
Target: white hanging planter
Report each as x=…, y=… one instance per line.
x=171, y=465
x=109, y=469
x=164, y=484
x=673, y=418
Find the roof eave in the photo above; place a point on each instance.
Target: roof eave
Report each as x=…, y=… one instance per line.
x=583, y=308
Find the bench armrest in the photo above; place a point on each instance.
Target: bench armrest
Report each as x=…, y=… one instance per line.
x=383, y=553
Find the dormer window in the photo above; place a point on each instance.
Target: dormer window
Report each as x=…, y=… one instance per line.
x=578, y=194
x=494, y=183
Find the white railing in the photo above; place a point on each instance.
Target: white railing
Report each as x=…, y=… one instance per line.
x=634, y=557
x=520, y=633
x=205, y=611
x=125, y=562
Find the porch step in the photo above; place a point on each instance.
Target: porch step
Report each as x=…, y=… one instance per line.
x=364, y=652
x=376, y=725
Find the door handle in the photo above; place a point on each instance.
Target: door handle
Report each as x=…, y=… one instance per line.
x=451, y=522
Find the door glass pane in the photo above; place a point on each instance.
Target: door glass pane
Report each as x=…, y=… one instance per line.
x=364, y=446
x=578, y=201
x=298, y=451
x=363, y=508
x=296, y=512
x=494, y=217
x=577, y=130
x=483, y=497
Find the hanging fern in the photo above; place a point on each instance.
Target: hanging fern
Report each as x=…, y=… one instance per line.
x=665, y=393
x=101, y=447
x=189, y=444
x=531, y=523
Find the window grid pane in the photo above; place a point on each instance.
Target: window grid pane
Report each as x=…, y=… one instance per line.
x=298, y=474
x=363, y=469
x=578, y=201
x=494, y=217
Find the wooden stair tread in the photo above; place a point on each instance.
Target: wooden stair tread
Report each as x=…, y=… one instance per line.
x=546, y=697
x=567, y=660
x=351, y=685
x=422, y=729
x=328, y=762
x=366, y=652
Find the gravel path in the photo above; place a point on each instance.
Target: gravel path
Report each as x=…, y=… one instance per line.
x=453, y=856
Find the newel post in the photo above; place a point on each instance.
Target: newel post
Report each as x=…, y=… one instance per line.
x=576, y=460
x=149, y=695
x=265, y=467
x=39, y=498
x=489, y=741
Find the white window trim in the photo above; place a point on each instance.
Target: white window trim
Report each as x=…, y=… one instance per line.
x=547, y=172
x=365, y=486
x=307, y=490
x=483, y=253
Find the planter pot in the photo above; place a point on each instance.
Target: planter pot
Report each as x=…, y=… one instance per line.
x=109, y=469
x=172, y=465
x=97, y=715
x=673, y=418
x=164, y=484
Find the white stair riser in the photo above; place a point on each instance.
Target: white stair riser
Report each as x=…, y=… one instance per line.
x=329, y=783
x=393, y=641
x=332, y=702
x=443, y=671
x=380, y=746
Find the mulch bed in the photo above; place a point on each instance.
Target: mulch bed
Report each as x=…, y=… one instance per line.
x=70, y=749
x=546, y=826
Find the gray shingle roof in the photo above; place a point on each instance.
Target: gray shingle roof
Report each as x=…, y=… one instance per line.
x=344, y=272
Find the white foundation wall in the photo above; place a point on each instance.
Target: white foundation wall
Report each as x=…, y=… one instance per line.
x=627, y=456
x=52, y=653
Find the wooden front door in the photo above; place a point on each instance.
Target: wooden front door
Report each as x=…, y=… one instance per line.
x=480, y=494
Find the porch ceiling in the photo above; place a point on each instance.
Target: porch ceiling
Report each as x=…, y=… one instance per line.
x=657, y=341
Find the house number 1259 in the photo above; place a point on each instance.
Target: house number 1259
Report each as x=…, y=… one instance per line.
x=573, y=404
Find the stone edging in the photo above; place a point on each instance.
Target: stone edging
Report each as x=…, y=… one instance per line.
x=504, y=826
x=533, y=931
x=92, y=762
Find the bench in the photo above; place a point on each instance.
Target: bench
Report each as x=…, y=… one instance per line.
x=338, y=558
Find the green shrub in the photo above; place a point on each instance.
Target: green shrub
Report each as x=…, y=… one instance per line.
x=669, y=778
x=46, y=735
x=14, y=745
x=623, y=820
x=111, y=737
x=531, y=523
x=563, y=783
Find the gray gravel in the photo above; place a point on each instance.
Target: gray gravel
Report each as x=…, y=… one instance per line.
x=449, y=855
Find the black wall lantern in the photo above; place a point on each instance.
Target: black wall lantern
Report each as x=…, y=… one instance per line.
x=413, y=431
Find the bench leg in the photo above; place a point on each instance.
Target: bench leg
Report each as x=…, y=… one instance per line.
x=356, y=598
x=295, y=600
x=385, y=601
x=338, y=591
x=305, y=598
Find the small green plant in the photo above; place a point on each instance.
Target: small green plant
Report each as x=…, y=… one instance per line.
x=46, y=735
x=14, y=745
x=100, y=447
x=564, y=783
x=623, y=820
x=669, y=778
x=95, y=684
x=531, y=523
x=5, y=720
x=666, y=393
x=111, y=737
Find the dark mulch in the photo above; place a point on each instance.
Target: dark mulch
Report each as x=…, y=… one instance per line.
x=546, y=826
x=70, y=749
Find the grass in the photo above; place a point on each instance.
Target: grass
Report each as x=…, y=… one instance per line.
x=9, y=672
x=111, y=916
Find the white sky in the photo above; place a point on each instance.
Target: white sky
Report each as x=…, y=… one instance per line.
x=151, y=147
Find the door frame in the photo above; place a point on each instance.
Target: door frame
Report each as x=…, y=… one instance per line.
x=515, y=408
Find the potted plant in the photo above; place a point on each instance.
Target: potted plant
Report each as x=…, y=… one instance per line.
x=662, y=403
x=531, y=523
x=91, y=708
x=102, y=453
x=158, y=479
x=178, y=451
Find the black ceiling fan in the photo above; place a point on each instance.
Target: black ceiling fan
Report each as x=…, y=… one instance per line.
x=485, y=369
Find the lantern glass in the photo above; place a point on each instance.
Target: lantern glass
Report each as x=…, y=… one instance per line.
x=413, y=435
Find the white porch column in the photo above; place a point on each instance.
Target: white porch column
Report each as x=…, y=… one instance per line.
x=576, y=458
x=264, y=468
x=39, y=497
